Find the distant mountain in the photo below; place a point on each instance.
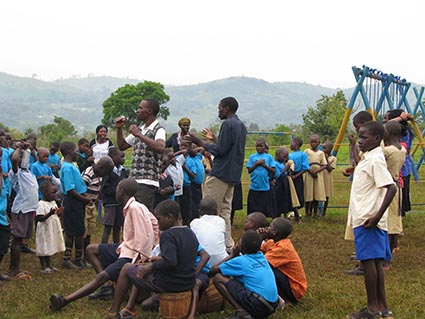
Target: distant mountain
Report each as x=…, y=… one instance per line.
x=31, y=103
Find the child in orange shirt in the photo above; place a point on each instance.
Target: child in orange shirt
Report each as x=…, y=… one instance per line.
x=284, y=260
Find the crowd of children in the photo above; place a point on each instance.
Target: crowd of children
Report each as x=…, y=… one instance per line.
x=185, y=258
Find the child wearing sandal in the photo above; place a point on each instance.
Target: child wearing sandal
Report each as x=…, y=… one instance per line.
x=48, y=238
x=371, y=193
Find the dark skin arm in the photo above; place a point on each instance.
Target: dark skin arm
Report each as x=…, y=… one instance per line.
x=204, y=259
x=389, y=195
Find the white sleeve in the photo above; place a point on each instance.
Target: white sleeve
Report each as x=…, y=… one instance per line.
x=160, y=134
x=130, y=140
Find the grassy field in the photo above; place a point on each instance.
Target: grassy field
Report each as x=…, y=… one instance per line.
x=331, y=293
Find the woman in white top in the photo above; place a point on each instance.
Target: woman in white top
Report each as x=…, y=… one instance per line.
x=101, y=144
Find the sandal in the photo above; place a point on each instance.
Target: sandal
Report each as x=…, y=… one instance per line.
x=23, y=275
x=127, y=314
x=47, y=270
x=388, y=314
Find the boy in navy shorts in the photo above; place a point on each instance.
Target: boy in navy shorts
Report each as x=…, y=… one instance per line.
x=140, y=236
x=247, y=282
x=371, y=193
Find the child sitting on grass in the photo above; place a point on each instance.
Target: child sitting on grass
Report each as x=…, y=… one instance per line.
x=254, y=221
x=246, y=281
x=173, y=272
x=284, y=260
x=49, y=238
x=371, y=193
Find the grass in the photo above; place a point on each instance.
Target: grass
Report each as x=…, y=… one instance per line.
x=324, y=253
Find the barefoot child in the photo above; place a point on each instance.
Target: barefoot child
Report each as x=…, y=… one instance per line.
x=371, y=193
x=48, y=238
x=327, y=174
x=314, y=190
x=259, y=166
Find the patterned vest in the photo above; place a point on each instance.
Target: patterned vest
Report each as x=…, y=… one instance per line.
x=146, y=163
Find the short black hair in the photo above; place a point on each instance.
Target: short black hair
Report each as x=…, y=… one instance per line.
x=129, y=186
x=82, y=141
x=283, y=226
x=393, y=128
x=153, y=105
x=44, y=187
x=208, y=206
x=251, y=242
x=231, y=103
x=67, y=147
x=298, y=141
x=113, y=151
x=362, y=117
x=168, y=207
x=55, y=145
x=375, y=128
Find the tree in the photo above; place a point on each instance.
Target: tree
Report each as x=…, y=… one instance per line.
x=58, y=131
x=279, y=140
x=126, y=99
x=325, y=119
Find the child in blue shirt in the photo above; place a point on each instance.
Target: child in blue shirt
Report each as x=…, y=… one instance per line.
x=259, y=166
x=54, y=161
x=74, y=203
x=247, y=282
x=301, y=164
x=189, y=172
x=41, y=169
x=4, y=223
x=197, y=180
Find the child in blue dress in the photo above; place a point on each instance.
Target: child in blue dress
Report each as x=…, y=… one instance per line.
x=259, y=166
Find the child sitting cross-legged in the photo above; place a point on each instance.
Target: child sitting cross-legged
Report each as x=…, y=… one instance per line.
x=284, y=260
x=247, y=281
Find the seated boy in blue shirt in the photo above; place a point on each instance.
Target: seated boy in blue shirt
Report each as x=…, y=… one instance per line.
x=247, y=281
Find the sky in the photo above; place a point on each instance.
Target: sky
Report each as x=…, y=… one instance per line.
x=188, y=42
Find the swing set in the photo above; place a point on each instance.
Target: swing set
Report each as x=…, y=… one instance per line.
x=380, y=92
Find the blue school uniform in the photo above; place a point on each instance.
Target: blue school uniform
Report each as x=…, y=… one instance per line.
x=41, y=169
x=254, y=272
x=260, y=180
x=55, y=160
x=71, y=179
x=73, y=215
x=300, y=160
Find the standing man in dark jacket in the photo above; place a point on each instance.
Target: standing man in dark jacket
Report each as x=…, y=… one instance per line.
x=229, y=154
